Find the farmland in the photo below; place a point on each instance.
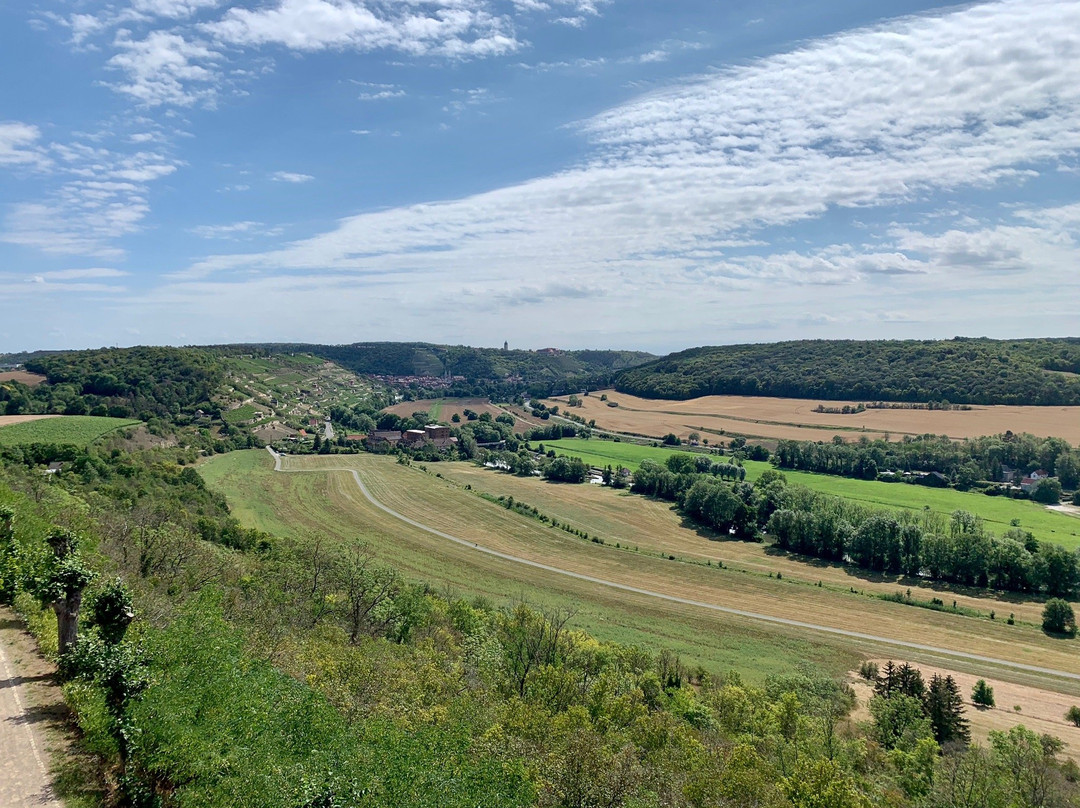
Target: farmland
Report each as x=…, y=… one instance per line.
x=332, y=505
x=21, y=376
x=775, y=418
x=996, y=512
x=77, y=430
x=444, y=409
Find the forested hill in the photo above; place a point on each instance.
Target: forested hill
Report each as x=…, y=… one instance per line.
x=483, y=370
x=141, y=382
x=960, y=370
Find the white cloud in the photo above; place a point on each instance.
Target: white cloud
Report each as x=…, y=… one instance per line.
x=235, y=231
x=165, y=68
x=19, y=145
x=102, y=196
x=450, y=28
x=79, y=274
x=867, y=118
x=290, y=176
x=172, y=9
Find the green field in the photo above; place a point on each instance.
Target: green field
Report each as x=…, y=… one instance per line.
x=328, y=505
x=77, y=430
x=996, y=512
x=602, y=453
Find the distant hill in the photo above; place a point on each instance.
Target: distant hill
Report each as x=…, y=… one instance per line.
x=959, y=370
x=483, y=371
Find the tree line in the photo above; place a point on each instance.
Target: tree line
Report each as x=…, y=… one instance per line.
x=957, y=549
x=956, y=371
x=964, y=462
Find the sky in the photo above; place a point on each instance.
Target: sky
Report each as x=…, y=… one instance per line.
x=571, y=173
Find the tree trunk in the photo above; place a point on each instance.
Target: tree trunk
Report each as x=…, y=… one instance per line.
x=67, y=621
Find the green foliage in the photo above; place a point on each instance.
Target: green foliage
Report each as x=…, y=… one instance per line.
x=960, y=370
x=1072, y=715
x=899, y=721
x=140, y=382
x=1058, y=617
x=566, y=470
x=1048, y=492
x=982, y=695
x=111, y=611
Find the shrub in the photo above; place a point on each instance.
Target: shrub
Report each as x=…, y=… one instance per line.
x=1073, y=715
x=869, y=671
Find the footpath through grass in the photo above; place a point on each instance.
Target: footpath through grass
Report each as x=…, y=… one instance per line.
x=997, y=512
x=77, y=430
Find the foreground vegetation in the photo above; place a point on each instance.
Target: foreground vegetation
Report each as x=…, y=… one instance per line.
x=957, y=371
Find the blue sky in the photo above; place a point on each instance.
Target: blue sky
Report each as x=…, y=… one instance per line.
x=581, y=173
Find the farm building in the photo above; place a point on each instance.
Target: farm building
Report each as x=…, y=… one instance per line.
x=390, y=436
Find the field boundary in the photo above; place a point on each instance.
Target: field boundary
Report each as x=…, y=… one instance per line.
x=783, y=621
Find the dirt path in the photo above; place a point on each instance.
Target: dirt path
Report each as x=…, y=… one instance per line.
x=674, y=598
x=32, y=718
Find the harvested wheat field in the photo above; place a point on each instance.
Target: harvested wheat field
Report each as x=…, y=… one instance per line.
x=8, y=420
x=794, y=418
x=22, y=376
x=1040, y=710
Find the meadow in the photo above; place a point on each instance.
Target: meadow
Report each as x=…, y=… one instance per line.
x=774, y=418
x=77, y=430
x=330, y=505
x=997, y=512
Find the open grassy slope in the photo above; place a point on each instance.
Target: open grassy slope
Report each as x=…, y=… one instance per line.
x=333, y=506
x=996, y=512
x=78, y=430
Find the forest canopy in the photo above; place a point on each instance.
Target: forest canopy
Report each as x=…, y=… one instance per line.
x=960, y=371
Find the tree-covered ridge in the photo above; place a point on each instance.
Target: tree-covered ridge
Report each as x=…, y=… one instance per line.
x=141, y=382
x=960, y=370
x=484, y=371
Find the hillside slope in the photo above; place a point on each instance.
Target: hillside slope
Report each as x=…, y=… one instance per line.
x=960, y=370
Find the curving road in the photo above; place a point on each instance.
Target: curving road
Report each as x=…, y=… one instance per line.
x=765, y=618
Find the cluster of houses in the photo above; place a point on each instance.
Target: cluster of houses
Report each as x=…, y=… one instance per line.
x=438, y=436
x=425, y=382
x=1026, y=483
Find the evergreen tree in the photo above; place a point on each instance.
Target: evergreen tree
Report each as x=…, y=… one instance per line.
x=982, y=694
x=945, y=708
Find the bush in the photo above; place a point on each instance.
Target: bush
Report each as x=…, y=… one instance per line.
x=869, y=671
x=1058, y=617
x=1073, y=715
x=982, y=695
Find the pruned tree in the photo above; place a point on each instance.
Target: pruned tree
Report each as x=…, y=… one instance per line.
x=61, y=585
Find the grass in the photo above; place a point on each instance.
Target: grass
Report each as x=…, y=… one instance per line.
x=78, y=430
x=330, y=505
x=602, y=453
x=996, y=512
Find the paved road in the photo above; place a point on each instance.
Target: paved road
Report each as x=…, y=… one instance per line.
x=765, y=618
x=24, y=778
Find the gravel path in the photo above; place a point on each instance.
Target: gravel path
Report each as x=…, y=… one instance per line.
x=29, y=702
x=765, y=618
